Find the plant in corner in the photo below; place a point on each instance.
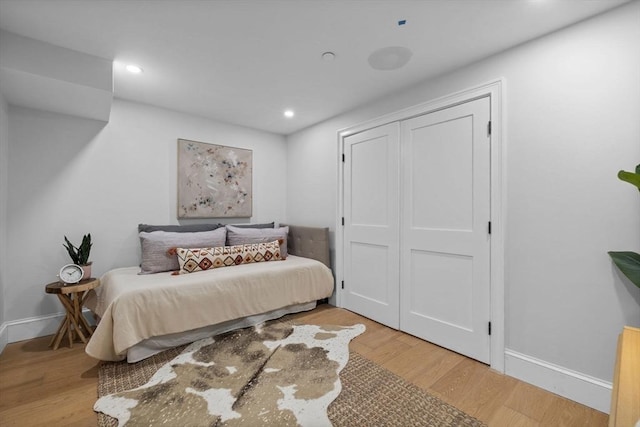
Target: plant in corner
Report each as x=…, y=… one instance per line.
x=629, y=262
x=80, y=254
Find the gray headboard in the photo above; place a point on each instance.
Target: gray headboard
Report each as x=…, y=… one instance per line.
x=309, y=242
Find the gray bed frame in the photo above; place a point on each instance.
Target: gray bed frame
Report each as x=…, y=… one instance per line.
x=309, y=242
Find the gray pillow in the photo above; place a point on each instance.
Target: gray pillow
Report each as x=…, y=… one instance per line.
x=265, y=225
x=190, y=228
x=156, y=244
x=241, y=236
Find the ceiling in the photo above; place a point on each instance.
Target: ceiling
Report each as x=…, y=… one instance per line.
x=246, y=61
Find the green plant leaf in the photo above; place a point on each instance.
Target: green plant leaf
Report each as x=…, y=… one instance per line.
x=630, y=177
x=84, y=249
x=629, y=265
x=72, y=250
x=79, y=255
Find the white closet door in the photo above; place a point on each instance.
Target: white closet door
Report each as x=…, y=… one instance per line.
x=371, y=229
x=445, y=248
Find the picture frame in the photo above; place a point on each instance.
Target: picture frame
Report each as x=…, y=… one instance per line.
x=214, y=181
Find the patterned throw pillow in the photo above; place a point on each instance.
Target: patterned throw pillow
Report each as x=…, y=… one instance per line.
x=201, y=259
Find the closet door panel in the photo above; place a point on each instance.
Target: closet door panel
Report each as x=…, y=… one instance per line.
x=445, y=246
x=449, y=296
x=371, y=230
x=441, y=171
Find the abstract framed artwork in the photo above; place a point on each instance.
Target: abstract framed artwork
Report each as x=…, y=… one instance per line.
x=214, y=181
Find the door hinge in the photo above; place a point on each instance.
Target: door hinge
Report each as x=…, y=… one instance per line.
x=489, y=128
x=342, y=220
x=343, y=158
x=489, y=326
x=343, y=284
x=489, y=227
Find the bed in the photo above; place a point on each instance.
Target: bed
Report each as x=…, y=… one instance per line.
x=144, y=314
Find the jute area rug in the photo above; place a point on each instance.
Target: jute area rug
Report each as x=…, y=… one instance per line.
x=370, y=396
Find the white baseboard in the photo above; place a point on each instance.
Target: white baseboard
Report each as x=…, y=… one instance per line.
x=4, y=336
x=573, y=385
x=34, y=327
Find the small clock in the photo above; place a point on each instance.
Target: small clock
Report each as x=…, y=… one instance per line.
x=71, y=273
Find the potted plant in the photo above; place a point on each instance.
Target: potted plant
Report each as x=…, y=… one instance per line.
x=80, y=254
x=629, y=262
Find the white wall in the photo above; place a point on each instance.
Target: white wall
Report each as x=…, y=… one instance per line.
x=4, y=191
x=43, y=76
x=71, y=176
x=571, y=111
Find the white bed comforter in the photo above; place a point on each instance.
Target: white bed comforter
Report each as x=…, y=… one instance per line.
x=135, y=307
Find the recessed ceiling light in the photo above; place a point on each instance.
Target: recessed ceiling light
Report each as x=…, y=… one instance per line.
x=289, y=113
x=133, y=69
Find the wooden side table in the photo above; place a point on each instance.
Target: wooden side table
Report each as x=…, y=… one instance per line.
x=72, y=297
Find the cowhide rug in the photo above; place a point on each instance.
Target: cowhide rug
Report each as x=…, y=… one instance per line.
x=276, y=374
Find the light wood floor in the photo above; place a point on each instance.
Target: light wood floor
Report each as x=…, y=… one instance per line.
x=41, y=387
